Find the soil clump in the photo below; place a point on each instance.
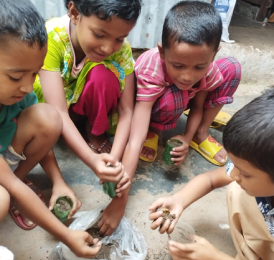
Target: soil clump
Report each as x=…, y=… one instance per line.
x=63, y=205
x=166, y=215
x=175, y=142
x=105, y=249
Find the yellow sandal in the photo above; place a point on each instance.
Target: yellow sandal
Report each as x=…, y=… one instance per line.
x=208, y=148
x=221, y=119
x=151, y=142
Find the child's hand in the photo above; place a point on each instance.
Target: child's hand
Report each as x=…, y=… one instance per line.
x=173, y=205
x=181, y=151
x=123, y=186
x=62, y=189
x=79, y=241
x=200, y=250
x=106, y=173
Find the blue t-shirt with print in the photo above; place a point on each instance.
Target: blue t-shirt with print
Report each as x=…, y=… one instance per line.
x=8, y=119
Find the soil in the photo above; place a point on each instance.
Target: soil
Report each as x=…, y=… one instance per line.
x=105, y=249
x=166, y=215
x=174, y=143
x=63, y=205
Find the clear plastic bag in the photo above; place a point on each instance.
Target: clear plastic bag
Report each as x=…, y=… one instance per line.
x=129, y=238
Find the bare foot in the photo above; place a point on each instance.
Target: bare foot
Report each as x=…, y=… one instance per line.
x=111, y=217
x=201, y=136
x=16, y=212
x=148, y=152
x=100, y=143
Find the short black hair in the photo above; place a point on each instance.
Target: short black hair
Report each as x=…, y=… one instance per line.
x=128, y=10
x=192, y=22
x=249, y=133
x=21, y=20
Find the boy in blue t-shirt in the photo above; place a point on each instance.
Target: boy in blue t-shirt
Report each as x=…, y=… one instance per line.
x=28, y=130
x=248, y=139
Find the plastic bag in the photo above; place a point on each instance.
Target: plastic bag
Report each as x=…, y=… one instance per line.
x=5, y=254
x=225, y=8
x=129, y=238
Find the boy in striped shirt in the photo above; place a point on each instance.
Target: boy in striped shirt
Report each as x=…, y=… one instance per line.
x=180, y=74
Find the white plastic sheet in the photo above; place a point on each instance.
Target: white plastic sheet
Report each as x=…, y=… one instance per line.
x=129, y=238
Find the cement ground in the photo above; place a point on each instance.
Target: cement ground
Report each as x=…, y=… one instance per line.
x=207, y=216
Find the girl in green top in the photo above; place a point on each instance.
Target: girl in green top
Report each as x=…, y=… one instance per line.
x=88, y=74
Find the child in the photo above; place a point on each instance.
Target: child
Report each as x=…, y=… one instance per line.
x=181, y=74
x=87, y=74
x=28, y=130
x=248, y=140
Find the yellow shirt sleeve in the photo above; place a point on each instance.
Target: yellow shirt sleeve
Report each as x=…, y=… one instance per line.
x=54, y=57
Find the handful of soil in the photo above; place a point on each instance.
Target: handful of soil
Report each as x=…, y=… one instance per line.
x=171, y=143
x=105, y=249
x=166, y=215
x=62, y=208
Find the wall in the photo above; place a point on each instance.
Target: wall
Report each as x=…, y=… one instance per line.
x=145, y=34
x=50, y=8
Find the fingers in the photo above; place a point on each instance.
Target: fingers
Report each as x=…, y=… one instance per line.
x=104, y=230
x=155, y=215
x=123, y=189
x=108, y=231
x=107, y=158
x=92, y=241
x=188, y=248
x=180, y=251
x=111, y=174
x=76, y=205
x=155, y=224
x=94, y=250
x=124, y=180
x=123, y=185
x=51, y=202
x=171, y=227
x=165, y=227
x=156, y=204
x=178, y=160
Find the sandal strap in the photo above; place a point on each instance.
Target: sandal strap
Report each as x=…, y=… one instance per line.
x=15, y=211
x=102, y=145
x=92, y=146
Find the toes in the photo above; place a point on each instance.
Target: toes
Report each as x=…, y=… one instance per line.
x=221, y=156
x=27, y=221
x=149, y=153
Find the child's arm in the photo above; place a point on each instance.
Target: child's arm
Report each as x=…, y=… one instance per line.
x=192, y=191
x=60, y=188
x=125, y=112
x=193, y=122
x=32, y=207
x=201, y=249
x=138, y=132
x=54, y=94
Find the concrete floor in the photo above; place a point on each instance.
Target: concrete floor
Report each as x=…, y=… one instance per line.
x=207, y=216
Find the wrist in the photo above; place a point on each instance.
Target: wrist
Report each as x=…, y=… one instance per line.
x=58, y=181
x=188, y=137
x=179, y=202
x=67, y=238
x=220, y=255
